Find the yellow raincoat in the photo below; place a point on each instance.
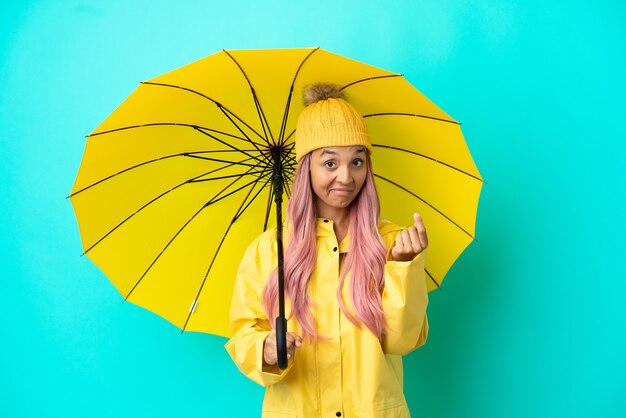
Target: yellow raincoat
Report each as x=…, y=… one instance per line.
x=349, y=374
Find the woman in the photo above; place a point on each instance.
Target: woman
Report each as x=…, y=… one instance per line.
x=355, y=289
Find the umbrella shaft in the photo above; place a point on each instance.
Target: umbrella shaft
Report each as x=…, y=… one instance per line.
x=279, y=251
x=281, y=321
x=277, y=180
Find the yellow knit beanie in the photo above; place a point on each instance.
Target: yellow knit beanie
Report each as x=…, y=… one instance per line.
x=328, y=121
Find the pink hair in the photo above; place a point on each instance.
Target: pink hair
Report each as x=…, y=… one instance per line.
x=365, y=260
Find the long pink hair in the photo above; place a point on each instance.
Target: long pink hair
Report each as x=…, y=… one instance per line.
x=365, y=260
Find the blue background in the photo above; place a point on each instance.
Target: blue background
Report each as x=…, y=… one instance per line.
x=530, y=320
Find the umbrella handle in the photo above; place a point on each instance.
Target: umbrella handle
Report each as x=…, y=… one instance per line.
x=281, y=341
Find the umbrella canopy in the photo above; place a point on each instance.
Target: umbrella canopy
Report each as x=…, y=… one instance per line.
x=177, y=181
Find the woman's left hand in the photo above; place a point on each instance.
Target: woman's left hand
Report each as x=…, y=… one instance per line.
x=411, y=241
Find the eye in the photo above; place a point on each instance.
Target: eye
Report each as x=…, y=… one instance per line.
x=357, y=163
x=329, y=164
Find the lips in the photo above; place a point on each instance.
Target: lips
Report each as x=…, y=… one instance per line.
x=342, y=191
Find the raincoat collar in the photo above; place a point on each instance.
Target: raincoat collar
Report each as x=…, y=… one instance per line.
x=324, y=229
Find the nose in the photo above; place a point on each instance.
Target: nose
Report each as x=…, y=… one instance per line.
x=344, y=175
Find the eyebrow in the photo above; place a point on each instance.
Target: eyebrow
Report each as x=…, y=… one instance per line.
x=327, y=151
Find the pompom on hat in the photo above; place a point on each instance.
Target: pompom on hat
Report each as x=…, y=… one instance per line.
x=328, y=121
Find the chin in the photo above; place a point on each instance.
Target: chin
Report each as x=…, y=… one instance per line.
x=343, y=205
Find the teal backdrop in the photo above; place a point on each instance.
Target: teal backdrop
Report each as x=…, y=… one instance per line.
x=530, y=321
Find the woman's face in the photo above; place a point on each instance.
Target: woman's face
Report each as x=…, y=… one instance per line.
x=337, y=176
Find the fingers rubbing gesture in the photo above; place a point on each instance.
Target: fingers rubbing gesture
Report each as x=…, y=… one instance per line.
x=411, y=241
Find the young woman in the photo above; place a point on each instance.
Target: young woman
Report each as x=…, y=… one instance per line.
x=355, y=288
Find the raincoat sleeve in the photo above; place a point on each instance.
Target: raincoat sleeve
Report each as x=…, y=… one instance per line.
x=405, y=299
x=248, y=322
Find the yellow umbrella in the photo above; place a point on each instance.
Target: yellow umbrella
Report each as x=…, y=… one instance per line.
x=176, y=182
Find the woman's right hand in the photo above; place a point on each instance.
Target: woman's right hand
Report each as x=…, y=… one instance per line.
x=270, y=356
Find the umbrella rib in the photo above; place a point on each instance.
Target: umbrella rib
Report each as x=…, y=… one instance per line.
x=218, y=104
x=214, y=199
x=287, y=190
x=182, y=154
x=428, y=158
x=290, y=161
x=222, y=177
x=370, y=79
x=289, y=170
x=182, y=228
x=244, y=134
x=231, y=146
x=283, y=125
x=432, y=279
x=205, y=131
x=259, y=109
x=219, y=247
x=240, y=211
x=425, y=202
x=412, y=115
x=263, y=119
x=269, y=178
x=192, y=180
x=162, y=251
x=186, y=125
x=387, y=114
